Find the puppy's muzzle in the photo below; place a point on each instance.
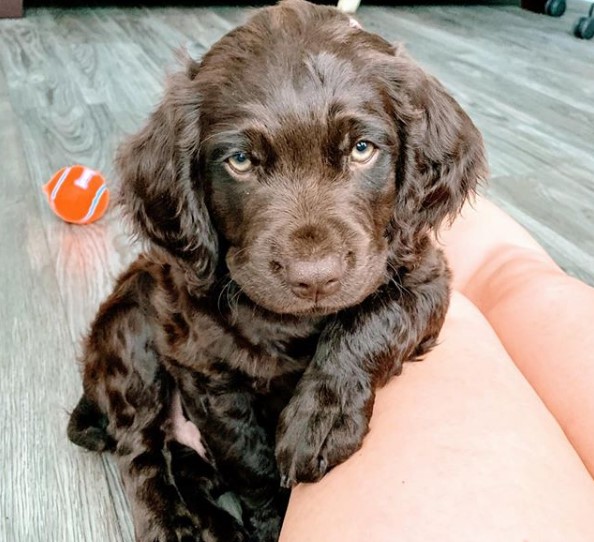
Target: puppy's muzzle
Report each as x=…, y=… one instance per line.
x=316, y=278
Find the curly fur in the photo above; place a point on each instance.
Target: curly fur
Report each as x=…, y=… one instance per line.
x=280, y=385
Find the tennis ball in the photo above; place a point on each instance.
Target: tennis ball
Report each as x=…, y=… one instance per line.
x=77, y=194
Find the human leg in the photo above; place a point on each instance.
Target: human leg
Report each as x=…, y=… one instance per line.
x=542, y=316
x=460, y=448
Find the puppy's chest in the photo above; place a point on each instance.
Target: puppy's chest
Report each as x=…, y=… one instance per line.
x=291, y=341
x=224, y=365
x=261, y=349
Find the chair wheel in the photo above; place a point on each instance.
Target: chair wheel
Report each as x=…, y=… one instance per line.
x=555, y=8
x=584, y=28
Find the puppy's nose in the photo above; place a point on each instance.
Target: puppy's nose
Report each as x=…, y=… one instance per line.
x=315, y=279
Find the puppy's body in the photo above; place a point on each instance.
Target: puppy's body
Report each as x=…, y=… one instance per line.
x=288, y=185
x=153, y=339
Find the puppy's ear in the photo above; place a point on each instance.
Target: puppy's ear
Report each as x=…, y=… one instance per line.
x=160, y=190
x=444, y=156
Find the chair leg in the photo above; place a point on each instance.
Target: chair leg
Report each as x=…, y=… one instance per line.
x=554, y=8
x=584, y=26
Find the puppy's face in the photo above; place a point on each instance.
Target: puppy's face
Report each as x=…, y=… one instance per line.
x=305, y=153
x=299, y=156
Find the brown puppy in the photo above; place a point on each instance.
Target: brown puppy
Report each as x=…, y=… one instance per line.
x=288, y=186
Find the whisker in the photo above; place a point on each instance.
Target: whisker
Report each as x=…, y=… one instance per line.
x=224, y=290
x=233, y=295
x=396, y=281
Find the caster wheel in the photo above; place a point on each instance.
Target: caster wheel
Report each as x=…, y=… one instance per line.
x=555, y=8
x=584, y=28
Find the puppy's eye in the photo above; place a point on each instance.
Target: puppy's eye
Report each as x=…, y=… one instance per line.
x=239, y=162
x=362, y=151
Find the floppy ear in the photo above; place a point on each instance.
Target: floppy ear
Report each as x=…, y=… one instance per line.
x=160, y=190
x=444, y=156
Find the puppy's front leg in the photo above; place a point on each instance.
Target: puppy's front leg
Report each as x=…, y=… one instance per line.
x=126, y=409
x=152, y=466
x=231, y=421
x=158, y=511
x=328, y=416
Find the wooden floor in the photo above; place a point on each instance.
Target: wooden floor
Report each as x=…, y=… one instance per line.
x=72, y=82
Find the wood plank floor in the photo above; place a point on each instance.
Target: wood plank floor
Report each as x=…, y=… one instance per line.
x=74, y=81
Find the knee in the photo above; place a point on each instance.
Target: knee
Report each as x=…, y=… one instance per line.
x=511, y=273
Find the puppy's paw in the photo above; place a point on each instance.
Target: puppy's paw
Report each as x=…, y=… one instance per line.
x=189, y=531
x=178, y=530
x=212, y=525
x=232, y=533
x=321, y=427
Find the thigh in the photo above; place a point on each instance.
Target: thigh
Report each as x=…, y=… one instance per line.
x=542, y=316
x=483, y=238
x=460, y=448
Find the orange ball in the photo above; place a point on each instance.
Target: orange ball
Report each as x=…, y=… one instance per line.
x=77, y=194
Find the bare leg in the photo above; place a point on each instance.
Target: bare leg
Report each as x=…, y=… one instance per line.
x=461, y=448
x=543, y=317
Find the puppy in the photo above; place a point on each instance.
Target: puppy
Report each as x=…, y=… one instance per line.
x=288, y=187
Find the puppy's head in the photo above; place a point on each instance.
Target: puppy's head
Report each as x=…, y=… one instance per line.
x=302, y=153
